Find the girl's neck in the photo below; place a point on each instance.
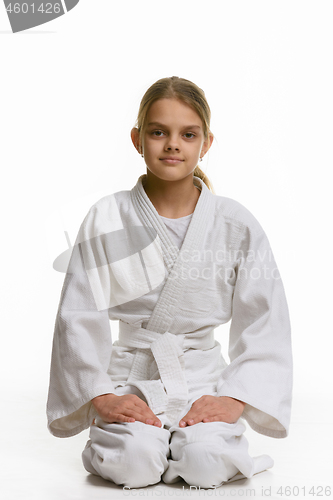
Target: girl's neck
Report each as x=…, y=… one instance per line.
x=172, y=199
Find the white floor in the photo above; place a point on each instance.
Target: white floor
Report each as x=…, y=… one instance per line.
x=38, y=466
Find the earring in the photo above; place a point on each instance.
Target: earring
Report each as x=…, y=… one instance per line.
x=201, y=158
x=141, y=155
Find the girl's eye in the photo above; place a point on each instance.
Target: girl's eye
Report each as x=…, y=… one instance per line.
x=157, y=133
x=189, y=135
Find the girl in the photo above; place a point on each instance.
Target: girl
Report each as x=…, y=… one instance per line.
x=171, y=261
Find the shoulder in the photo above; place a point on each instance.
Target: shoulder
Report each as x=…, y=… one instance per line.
x=105, y=215
x=108, y=205
x=236, y=213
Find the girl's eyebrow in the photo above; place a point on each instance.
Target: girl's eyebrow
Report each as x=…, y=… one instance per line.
x=157, y=124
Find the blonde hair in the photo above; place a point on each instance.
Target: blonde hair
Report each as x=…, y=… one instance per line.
x=190, y=94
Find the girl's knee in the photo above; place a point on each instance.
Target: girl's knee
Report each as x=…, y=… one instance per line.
x=202, y=464
x=136, y=461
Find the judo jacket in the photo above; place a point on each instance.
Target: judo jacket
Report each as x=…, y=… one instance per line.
x=125, y=266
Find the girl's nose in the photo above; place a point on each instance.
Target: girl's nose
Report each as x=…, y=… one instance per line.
x=172, y=144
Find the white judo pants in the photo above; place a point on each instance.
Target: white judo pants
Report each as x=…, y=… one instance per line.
x=137, y=455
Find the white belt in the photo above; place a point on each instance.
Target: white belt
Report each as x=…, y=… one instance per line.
x=170, y=393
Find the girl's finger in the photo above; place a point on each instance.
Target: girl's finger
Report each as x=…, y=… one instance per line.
x=143, y=416
x=120, y=418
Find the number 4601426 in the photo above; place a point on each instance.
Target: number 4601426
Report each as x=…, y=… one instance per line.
x=24, y=8
x=295, y=491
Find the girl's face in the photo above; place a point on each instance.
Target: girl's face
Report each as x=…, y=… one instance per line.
x=173, y=141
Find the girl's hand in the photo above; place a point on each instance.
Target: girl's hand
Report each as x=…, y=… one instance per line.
x=127, y=408
x=213, y=409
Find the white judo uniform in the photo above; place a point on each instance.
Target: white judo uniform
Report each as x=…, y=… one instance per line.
x=130, y=264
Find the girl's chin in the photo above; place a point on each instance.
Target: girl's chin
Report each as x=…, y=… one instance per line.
x=169, y=173
x=170, y=177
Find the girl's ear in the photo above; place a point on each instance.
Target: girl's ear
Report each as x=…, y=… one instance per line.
x=207, y=144
x=135, y=136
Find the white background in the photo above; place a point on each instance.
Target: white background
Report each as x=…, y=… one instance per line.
x=69, y=95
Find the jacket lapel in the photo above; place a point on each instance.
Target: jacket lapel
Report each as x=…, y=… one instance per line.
x=177, y=266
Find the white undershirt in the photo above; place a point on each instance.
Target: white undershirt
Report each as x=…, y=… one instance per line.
x=177, y=228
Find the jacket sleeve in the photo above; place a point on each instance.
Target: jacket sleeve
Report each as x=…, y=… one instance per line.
x=81, y=348
x=260, y=369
